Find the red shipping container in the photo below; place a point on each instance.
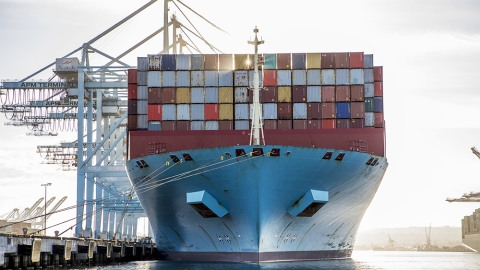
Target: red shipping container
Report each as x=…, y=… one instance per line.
x=284, y=60
x=328, y=60
x=356, y=93
x=378, y=120
x=329, y=110
x=357, y=110
x=132, y=122
x=314, y=110
x=169, y=125
x=343, y=123
x=284, y=124
x=154, y=95
x=284, y=111
x=132, y=76
x=299, y=94
x=268, y=95
x=357, y=123
x=132, y=91
x=356, y=60
x=328, y=93
x=225, y=125
x=378, y=89
x=183, y=125
x=210, y=112
x=270, y=77
x=168, y=95
x=211, y=62
x=155, y=112
x=270, y=124
x=329, y=124
x=299, y=124
x=225, y=62
x=342, y=60
x=378, y=74
x=314, y=124
x=342, y=93
x=132, y=107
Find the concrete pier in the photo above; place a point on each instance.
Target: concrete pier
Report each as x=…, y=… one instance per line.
x=45, y=252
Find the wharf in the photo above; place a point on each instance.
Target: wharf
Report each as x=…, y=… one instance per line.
x=42, y=252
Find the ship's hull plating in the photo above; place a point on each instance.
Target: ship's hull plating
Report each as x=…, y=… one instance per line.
x=257, y=192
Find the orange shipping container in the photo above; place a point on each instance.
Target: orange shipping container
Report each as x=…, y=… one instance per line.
x=270, y=77
x=378, y=89
x=378, y=74
x=211, y=112
x=329, y=124
x=356, y=60
x=155, y=112
x=342, y=93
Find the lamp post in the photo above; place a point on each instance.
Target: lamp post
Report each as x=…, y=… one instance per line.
x=45, y=218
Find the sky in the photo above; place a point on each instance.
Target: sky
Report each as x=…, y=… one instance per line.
x=429, y=51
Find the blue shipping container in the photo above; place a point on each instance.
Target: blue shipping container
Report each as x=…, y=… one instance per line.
x=270, y=61
x=197, y=95
x=251, y=110
x=154, y=79
x=369, y=90
x=241, y=95
x=328, y=77
x=368, y=75
x=314, y=94
x=197, y=112
x=211, y=78
x=270, y=111
x=197, y=61
x=250, y=78
x=299, y=60
x=241, y=111
x=183, y=62
x=241, y=78
x=183, y=112
x=369, y=119
x=343, y=110
x=356, y=76
x=197, y=125
x=342, y=77
x=168, y=79
x=211, y=125
x=142, y=63
x=169, y=112
x=154, y=125
x=299, y=77
x=378, y=104
x=368, y=61
x=197, y=78
x=142, y=92
x=211, y=95
x=241, y=125
x=313, y=77
x=169, y=62
x=225, y=78
x=183, y=78
x=299, y=110
x=284, y=77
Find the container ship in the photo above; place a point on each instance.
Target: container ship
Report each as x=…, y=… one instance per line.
x=256, y=157
x=471, y=231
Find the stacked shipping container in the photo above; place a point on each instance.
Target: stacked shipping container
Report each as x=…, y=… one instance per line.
x=213, y=92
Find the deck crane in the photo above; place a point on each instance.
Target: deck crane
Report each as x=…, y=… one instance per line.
x=91, y=99
x=472, y=196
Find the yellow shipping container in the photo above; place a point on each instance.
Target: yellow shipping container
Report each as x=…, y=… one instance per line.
x=243, y=61
x=284, y=94
x=183, y=95
x=225, y=112
x=225, y=95
x=314, y=60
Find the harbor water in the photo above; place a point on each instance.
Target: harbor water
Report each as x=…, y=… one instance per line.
x=372, y=260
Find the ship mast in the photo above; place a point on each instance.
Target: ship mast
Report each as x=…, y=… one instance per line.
x=256, y=125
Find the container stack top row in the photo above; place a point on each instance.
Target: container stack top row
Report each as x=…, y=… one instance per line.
x=269, y=61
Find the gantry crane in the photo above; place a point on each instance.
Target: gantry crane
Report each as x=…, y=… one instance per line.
x=472, y=196
x=91, y=100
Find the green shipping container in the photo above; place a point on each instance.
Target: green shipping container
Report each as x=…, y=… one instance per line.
x=270, y=61
x=369, y=104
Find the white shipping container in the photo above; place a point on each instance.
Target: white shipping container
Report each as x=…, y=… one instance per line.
x=241, y=78
x=284, y=77
x=342, y=76
x=369, y=119
x=314, y=94
x=169, y=112
x=328, y=77
x=142, y=92
x=142, y=121
x=313, y=77
x=183, y=112
x=154, y=62
x=225, y=78
x=197, y=78
x=183, y=78
x=211, y=125
x=183, y=62
x=241, y=94
x=356, y=76
x=211, y=78
x=197, y=112
x=299, y=77
x=299, y=110
x=168, y=78
x=197, y=95
x=368, y=90
x=197, y=125
x=241, y=111
x=154, y=79
x=142, y=63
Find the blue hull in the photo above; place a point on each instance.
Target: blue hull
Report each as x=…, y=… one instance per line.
x=257, y=192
